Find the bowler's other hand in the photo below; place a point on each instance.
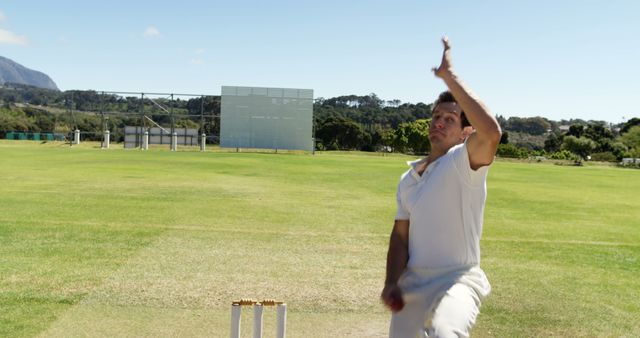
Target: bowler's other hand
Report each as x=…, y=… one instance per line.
x=392, y=297
x=445, y=69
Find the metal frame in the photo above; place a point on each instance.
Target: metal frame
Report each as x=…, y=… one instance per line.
x=145, y=97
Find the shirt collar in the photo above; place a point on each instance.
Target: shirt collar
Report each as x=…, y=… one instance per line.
x=414, y=165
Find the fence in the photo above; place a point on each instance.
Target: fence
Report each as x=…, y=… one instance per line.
x=33, y=136
x=185, y=136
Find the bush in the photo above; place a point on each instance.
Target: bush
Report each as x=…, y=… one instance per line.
x=539, y=153
x=630, y=165
x=563, y=155
x=580, y=146
x=512, y=151
x=606, y=156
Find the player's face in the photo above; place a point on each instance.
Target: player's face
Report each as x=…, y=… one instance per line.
x=446, y=126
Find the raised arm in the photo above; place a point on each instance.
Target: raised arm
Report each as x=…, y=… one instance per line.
x=483, y=143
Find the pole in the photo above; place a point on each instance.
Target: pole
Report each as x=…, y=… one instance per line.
x=145, y=141
x=174, y=141
x=139, y=135
x=236, y=315
x=104, y=126
x=173, y=133
x=313, y=136
x=257, y=320
x=106, y=138
x=202, y=114
x=73, y=117
x=203, y=140
x=282, y=320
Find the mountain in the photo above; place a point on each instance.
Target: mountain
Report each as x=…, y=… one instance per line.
x=13, y=72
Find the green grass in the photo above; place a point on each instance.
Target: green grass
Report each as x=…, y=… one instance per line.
x=144, y=244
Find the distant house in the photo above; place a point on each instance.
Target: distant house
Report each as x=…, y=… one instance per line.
x=630, y=160
x=564, y=128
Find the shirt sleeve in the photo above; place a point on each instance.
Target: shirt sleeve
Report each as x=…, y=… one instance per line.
x=463, y=167
x=402, y=213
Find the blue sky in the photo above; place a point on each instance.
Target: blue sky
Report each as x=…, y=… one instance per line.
x=557, y=59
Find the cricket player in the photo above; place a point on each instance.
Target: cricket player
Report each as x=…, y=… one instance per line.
x=434, y=284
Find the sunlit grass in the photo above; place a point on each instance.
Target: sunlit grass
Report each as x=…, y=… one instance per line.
x=130, y=243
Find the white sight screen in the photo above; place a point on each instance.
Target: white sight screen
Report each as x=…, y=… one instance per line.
x=269, y=118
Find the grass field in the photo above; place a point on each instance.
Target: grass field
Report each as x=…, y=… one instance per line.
x=146, y=244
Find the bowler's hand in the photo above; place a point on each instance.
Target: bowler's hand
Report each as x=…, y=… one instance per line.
x=445, y=69
x=392, y=297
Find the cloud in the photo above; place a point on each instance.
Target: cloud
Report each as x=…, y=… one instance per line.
x=197, y=61
x=151, y=32
x=2, y=17
x=11, y=38
x=199, y=51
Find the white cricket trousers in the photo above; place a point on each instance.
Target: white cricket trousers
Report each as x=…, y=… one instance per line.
x=439, y=303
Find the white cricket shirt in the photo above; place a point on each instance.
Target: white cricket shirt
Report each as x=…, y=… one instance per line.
x=445, y=208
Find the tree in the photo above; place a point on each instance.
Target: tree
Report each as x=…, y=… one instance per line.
x=418, y=136
x=598, y=131
x=379, y=135
x=393, y=103
x=399, y=140
x=210, y=105
x=502, y=122
x=602, y=136
x=529, y=125
x=15, y=120
x=553, y=142
x=580, y=146
x=185, y=123
x=413, y=137
x=631, y=139
x=504, y=139
x=618, y=149
x=576, y=130
x=629, y=124
x=342, y=133
x=370, y=110
x=44, y=120
x=371, y=101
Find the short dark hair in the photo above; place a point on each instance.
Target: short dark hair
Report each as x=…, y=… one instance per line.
x=446, y=96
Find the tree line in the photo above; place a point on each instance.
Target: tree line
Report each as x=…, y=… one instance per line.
x=370, y=124
x=29, y=109
x=351, y=122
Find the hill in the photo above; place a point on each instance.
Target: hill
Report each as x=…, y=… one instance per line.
x=13, y=72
